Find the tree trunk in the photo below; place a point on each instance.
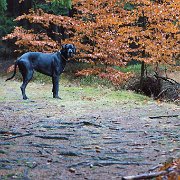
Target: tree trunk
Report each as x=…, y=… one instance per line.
x=142, y=74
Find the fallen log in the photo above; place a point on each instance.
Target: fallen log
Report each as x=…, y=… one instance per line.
x=163, y=116
x=171, y=81
x=149, y=175
x=145, y=176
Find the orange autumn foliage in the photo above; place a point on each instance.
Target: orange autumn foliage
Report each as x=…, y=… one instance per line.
x=29, y=41
x=10, y=69
x=115, y=76
x=111, y=29
x=45, y=19
x=173, y=167
x=147, y=32
x=90, y=71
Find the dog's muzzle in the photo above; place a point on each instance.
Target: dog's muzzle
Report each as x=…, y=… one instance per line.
x=71, y=52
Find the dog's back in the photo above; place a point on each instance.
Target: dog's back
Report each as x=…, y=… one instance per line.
x=41, y=62
x=35, y=56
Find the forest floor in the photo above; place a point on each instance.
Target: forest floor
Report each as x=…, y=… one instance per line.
x=92, y=133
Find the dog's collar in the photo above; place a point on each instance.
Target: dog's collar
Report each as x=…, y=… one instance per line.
x=60, y=55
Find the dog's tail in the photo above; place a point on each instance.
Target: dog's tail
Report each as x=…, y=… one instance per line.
x=15, y=67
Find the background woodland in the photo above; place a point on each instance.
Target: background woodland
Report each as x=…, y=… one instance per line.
x=108, y=34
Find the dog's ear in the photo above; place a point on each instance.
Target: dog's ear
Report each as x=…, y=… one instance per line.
x=64, y=46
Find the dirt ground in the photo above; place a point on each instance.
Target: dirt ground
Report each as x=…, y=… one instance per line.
x=91, y=134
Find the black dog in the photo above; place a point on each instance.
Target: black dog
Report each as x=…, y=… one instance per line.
x=51, y=64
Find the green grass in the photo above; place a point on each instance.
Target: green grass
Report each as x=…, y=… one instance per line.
x=77, y=100
x=10, y=90
x=95, y=81
x=122, y=95
x=131, y=68
x=71, y=86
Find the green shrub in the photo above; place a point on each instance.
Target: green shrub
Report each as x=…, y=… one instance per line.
x=57, y=7
x=3, y=6
x=6, y=25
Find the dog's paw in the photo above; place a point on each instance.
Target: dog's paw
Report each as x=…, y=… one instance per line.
x=57, y=97
x=25, y=98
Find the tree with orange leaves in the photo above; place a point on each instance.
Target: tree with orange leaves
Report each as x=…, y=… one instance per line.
x=38, y=39
x=114, y=32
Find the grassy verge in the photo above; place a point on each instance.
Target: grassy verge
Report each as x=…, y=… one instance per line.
x=10, y=91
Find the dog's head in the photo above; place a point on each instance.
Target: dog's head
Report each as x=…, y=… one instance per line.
x=69, y=50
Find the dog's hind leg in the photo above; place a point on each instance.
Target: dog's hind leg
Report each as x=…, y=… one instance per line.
x=27, y=74
x=26, y=80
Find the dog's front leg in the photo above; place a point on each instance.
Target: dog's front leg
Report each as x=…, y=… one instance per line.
x=55, y=89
